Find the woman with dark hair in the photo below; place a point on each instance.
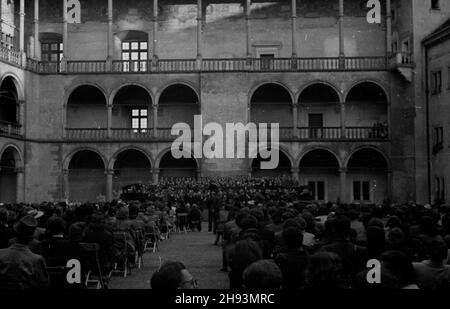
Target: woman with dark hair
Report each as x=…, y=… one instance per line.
x=324, y=271
x=244, y=253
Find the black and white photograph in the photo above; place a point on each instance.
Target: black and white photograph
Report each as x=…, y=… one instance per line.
x=224, y=145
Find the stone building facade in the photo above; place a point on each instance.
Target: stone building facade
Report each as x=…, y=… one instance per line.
x=87, y=100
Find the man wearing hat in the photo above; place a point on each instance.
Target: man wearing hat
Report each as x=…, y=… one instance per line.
x=19, y=267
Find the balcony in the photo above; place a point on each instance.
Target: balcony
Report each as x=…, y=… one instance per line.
x=326, y=134
x=10, y=129
x=324, y=64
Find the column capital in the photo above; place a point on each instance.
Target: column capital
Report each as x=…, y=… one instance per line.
x=343, y=170
x=109, y=172
x=295, y=169
x=155, y=170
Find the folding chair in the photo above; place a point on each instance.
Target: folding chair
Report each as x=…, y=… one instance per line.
x=58, y=277
x=94, y=274
x=120, y=253
x=151, y=239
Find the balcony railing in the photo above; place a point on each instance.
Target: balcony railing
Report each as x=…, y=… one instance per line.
x=10, y=129
x=164, y=134
x=327, y=133
x=323, y=64
x=86, y=134
x=401, y=59
x=365, y=133
x=11, y=56
x=86, y=66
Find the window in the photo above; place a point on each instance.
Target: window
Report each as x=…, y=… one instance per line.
x=7, y=41
x=267, y=61
x=440, y=189
x=317, y=189
x=139, y=120
x=394, y=14
x=438, y=139
x=436, y=82
x=435, y=5
x=135, y=56
x=52, y=51
x=361, y=190
x=315, y=123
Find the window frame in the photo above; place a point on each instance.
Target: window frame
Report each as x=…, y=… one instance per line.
x=134, y=65
x=361, y=190
x=325, y=188
x=140, y=118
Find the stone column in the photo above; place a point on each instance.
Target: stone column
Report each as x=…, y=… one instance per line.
x=295, y=174
x=20, y=184
x=295, y=119
x=37, y=45
x=109, y=108
x=199, y=34
x=343, y=185
x=247, y=28
x=155, y=173
x=343, y=118
x=66, y=184
x=155, y=120
x=21, y=115
x=341, y=35
x=155, y=31
x=65, y=37
x=110, y=56
x=22, y=26
x=294, y=28
x=109, y=185
x=388, y=28
x=390, y=183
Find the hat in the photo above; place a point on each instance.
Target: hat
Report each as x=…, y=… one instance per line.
x=35, y=213
x=26, y=226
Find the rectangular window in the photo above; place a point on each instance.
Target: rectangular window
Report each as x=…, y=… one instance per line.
x=51, y=51
x=135, y=56
x=361, y=190
x=267, y=61
x=438, y=135
x=139, y=120
x=317, y=189
x=315, y=123
x=436, y=82
x=435, y=5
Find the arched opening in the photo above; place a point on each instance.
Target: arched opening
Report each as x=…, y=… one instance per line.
x=133, y=48
x=8, y=175
x=86, y=108
x=178, y=103
x=366, y=110
x=319, y=170
x=170, y=167
x=272, y=103
x=368, y=176
x=87, y=180
x=319, y=112
x=284, y=167
x=132, y=111
x=9, y=104
x=131, y=167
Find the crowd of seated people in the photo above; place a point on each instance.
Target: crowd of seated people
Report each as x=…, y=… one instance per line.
x=271, y=234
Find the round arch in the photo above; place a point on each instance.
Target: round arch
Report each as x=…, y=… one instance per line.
x=280, y=148
x=128, y=148
x=367, y=81
x=71, y=90
x=314, y=148
x=167, y=150
x=376, y=150
x=177, y=168
x=70, y=156
x=284, y=165
x=17, y=83
x=166, y=86
x=316, y=82
x=265, y=83
x=17, y=153
x=114, y=93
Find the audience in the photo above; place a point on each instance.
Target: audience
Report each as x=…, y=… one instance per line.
x=272, y=236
